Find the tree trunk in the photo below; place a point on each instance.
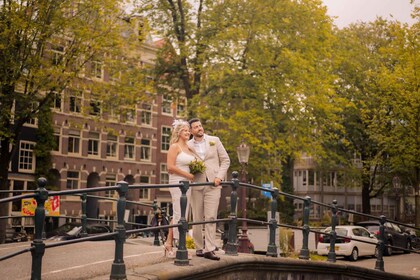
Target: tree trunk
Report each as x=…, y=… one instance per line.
x=366, y=197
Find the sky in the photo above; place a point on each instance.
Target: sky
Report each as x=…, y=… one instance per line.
x=352, y=11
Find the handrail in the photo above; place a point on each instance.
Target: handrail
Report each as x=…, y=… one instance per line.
x=118, y=267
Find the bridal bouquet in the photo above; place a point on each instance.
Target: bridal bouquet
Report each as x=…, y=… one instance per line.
x=196, y=166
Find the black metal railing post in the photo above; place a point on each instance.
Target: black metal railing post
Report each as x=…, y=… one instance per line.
x=37, y=243
x=272, y=247
x=118, y=266
x=232, y=244
x=156, y=241
x=304, y=252
x=333, y=236
x=83, y=233
x=379, y=265
x=182, y=252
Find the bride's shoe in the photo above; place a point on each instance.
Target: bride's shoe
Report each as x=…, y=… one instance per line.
x=167, y=251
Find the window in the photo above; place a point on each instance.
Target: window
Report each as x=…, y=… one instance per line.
x=33, y=121
x=72, y=180
x=111, y=146
x=164, y=175
x=146, y=114
x=26, y=157
x=56, y=139
x=129, y=115
x=166, y=104
x=93, y=144
x=304, y=181
x=180, y=107
x=57, y=54
x=166, y=136
x=311, y=178
x=110, y=180
x=129, y=148
x=95, y=106
x=74, y=142
x=56, y=103
x=76, y=102
x=144, y=193
x=145, y=150
x=97, y=69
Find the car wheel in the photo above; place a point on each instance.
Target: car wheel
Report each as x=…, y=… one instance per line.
x=354, y=255
x=408, y=246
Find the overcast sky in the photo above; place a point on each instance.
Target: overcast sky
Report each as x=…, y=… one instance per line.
x=351, y=11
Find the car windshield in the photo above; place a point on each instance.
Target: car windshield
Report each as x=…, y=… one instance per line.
x=338, y=231
x=372, y=228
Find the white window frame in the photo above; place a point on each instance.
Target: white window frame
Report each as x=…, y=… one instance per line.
x=75, y=97
x=72, y=147
x=164, y=176
x=146, y=114
x=165, y=138
x=144, y=194
x=166, y=105
x=110, y=180
x=94, y=144
x=73, y=181
x=130, y=149
x=112, y=146
x=146, y=150
x=26, y=157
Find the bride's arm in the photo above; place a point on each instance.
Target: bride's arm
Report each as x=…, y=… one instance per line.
x=173, y=152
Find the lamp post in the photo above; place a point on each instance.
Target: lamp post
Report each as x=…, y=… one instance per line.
x=243, y=156
x=396, y=183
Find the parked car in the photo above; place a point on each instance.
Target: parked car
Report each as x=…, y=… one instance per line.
x=415, y=240
x=73, y=230
x=393, y=234
x=348, y=246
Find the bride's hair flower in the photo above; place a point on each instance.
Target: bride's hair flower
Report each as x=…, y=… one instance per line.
x=196, y=166
x=179, y=122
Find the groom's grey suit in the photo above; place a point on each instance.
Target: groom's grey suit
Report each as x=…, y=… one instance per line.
x=205, y=199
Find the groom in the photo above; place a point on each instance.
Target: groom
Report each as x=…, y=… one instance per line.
x=205, y=199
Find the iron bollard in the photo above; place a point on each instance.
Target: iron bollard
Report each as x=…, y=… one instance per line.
x=83, y=233
x=272, y=247
x=37, y=244
x=379, y=265
x=182, y=252
x=333, y=236
x=118, y=266
x=156, y=241
x=232, y=244
x=304, y=252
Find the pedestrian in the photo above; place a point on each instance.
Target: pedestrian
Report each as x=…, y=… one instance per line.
x=205, y=199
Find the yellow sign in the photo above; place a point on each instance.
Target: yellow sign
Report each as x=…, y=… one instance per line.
x=52, y=206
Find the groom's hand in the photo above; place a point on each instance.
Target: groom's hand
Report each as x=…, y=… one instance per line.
x=217, y=181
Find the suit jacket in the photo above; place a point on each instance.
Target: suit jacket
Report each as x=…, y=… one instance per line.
x=216, y=160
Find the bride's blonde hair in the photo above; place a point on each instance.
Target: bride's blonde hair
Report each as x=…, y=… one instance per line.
x=177, y=126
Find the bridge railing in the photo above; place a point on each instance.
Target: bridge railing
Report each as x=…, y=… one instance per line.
x=41, y=194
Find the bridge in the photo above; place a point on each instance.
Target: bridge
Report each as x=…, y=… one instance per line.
x=232, y=266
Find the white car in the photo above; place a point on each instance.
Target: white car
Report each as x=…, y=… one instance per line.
x=347, y=243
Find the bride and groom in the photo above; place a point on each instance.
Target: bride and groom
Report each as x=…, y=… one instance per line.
x=204, y=199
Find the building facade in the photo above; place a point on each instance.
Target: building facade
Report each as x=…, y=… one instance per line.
x=96, y=148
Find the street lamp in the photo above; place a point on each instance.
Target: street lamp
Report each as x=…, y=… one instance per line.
x=243, y=157
x=396, y=183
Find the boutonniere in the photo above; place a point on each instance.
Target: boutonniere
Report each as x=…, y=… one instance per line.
x=212, y=143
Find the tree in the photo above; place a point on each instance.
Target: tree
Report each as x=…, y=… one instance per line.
x=252, y=70
x=45, y=47
x=376, y=74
